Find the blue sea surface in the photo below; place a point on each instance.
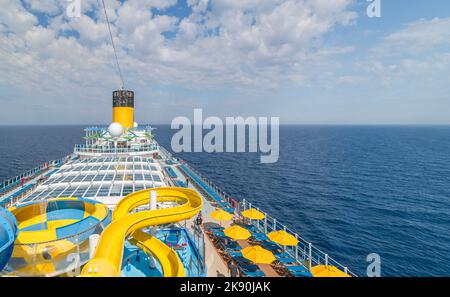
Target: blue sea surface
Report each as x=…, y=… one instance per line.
x=351, y=190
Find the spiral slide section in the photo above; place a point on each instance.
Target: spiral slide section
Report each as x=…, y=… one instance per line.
x=107, y=260
x=170, y=262
x=8, y=234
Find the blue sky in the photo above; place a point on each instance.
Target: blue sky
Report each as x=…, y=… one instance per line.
x=306, y=61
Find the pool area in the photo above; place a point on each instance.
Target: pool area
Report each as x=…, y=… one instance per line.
x=136, y=263
x=189, y=252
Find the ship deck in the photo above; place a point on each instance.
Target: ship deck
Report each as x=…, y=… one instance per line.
x=109, y=177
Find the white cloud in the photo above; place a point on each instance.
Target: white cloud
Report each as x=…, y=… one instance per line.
x=131, y=16
x=417, y=37
x=90, y=32
x=14, y=18
x=162, y=4
x=51, y=7
x=250, y=47
x=236, y=43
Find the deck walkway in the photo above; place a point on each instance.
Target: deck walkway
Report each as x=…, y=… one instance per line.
x=216, y=266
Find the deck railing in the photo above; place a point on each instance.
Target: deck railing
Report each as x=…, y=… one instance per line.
x=198, y=240
x=304, y=252
x=14, y=181
x=148, y=148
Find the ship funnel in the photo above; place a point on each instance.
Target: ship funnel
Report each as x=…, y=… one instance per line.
x=123, y=108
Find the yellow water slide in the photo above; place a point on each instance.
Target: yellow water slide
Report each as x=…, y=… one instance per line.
x=107, y=260
x=170, y=262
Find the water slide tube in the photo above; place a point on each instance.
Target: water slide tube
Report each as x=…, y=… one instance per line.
x=53, y=229
x=8, y=234
x=170, y=262
x=107, y=260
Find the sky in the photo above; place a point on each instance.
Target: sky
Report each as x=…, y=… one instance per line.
x=304, y=61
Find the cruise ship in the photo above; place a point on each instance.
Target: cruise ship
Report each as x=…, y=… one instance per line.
x=121, y=205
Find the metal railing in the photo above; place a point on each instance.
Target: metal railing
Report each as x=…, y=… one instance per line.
x=15, y=198
x=222, y=194
x=12, y=182
x=81, y=148
x=304, y=252
x=199, y=242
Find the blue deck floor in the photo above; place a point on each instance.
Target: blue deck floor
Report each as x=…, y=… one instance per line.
x=183, y=244
x=139, y=264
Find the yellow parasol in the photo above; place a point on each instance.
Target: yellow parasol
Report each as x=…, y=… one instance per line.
x=221, y=215
x=237, y=232
x=283, y=238
x=258, y=255
x=253, y=214
x=327, y=271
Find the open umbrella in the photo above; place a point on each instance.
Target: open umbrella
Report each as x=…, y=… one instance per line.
x=258, y=255
x=283, y=238
x=237, y=233
x=221, y=215
x=327, y=271
x=253, y=214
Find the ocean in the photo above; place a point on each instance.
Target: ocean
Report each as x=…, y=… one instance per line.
x=351, y=190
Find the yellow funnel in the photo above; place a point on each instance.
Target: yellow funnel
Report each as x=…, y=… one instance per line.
x=123, y=108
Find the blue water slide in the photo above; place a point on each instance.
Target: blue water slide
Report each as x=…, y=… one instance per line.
x=8, y=234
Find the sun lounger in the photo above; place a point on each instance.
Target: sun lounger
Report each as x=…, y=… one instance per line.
x=230, y=244
x=250, y=270
x=259, y=236
x=250, y=228
x=299, y=271
x=219, y=233
x=233, y=253
x=270, y=246
x=286, y=260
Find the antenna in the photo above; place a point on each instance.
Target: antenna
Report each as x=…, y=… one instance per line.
x=112, y=42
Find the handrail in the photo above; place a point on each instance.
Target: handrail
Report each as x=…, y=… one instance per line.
x=81, y=148
x=223, y=194
x=11, y=182
x=305, y=252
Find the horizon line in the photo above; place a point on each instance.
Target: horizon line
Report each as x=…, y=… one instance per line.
x=282, y=124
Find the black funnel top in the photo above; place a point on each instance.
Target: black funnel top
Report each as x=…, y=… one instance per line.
x=123, y=98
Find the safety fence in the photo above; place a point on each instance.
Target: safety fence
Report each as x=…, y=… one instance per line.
x=12, y=183
x=143, y=149
x=304, y=252
x=198, y=241
x=211, y=186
